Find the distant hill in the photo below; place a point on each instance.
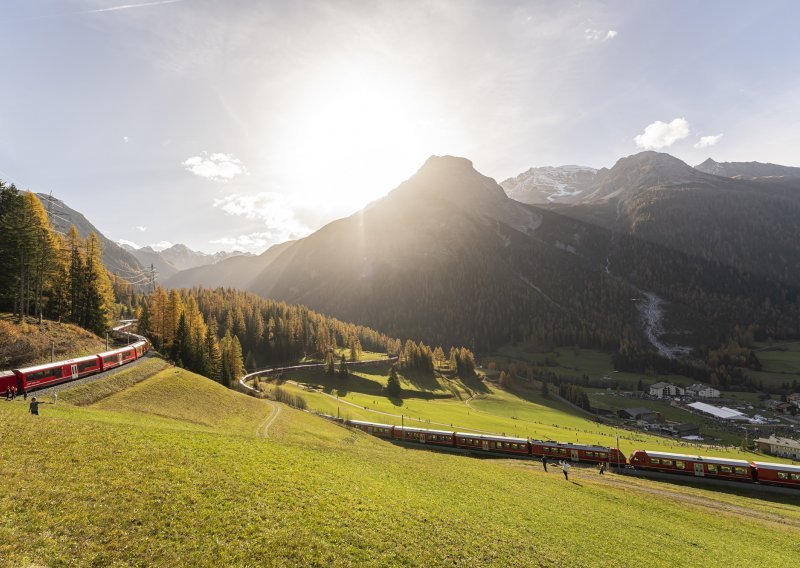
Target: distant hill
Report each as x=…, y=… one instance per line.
x=549, y=184
x=117, y=260
x=748, y=170
x=177, y=258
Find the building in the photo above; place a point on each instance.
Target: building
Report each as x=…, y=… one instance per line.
x=702, y=391
x=782, y=447
x=785, y=407
x=720, y=412
x=665, y=390
x=794, y=398
x=681, y=430
x=643, y=414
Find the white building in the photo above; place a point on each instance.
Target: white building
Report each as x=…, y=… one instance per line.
x=702, y=391
x=784, y=447
x=665, y=390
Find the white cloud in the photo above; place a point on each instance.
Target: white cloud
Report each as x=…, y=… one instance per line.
x=129, y=243
x=592, y=34
x=141, y=228
x=706, y=141
x=275, y=210
x=160, y=245
x=662, y=135
x=216, y=167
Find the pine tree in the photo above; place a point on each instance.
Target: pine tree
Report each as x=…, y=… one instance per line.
x=393, y=387
x=213, y=362
x=99, y=295
x=343, y=367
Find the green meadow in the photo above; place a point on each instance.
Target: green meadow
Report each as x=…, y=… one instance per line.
x=176, y=470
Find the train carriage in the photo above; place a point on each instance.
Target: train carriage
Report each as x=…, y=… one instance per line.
x=577, y=452
x=9, y=379
x=698, y=466
x=117, y=357
x=40, y=376
x=424, y=436
x=374, y=428
x=497, y=444
x=778, y=474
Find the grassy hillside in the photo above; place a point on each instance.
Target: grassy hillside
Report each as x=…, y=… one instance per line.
x=172, y=471
x=29, y=343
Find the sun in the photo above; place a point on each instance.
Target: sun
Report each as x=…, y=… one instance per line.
x=351, y=139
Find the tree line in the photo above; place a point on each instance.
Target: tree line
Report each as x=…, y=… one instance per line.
x=47, y=274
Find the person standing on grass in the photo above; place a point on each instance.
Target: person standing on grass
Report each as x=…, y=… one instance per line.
x=34, y=406
x=565, y=468
x=544, y=462
x=602, y=468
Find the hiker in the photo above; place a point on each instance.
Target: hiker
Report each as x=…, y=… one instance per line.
x=565, y=468
x=602, y=468
x=13, y=393
x=34, y=406
x=544, y=462
x=24, y=393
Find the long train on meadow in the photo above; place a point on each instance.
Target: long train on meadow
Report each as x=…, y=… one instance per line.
x=679, y=464
x=42, y=376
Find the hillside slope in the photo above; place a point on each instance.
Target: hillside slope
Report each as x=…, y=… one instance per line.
x=178, y=492
x=27, y=344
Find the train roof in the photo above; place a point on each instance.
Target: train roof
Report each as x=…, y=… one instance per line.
x=704, y=459
x=365, y=423
x=571, y=446
x=54, y=364
x=424, y=430
x=492, y=438
x=116, y=351
x=777, y=466
x=7, y=374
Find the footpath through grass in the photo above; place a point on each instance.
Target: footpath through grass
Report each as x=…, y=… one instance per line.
x=171, y=471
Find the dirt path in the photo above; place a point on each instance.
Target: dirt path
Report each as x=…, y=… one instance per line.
x=263, y=428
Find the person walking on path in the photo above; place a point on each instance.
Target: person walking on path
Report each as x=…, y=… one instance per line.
x=544, y=462
x=34, y=406
x=565, y=468
x=602, y=468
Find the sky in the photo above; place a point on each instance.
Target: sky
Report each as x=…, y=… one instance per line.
x=234, y=124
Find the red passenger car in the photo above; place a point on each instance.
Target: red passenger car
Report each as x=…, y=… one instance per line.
x=577, y=452
x=778, y=474
x=423, y=436
x=117, y=357
x=41, y=376
x=698, y=466
x=9, y=379
x=374, y=428
x=499, y=444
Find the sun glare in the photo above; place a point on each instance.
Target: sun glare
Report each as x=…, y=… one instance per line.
x=350, y=140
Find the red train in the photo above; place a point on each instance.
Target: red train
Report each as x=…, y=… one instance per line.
x=49, y=374
x=680, y=464
x=493, y=444
x=718, y=468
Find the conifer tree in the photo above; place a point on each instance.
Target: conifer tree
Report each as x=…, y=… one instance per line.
x=343, y=367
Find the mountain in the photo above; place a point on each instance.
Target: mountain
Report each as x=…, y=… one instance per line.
x=748, y=224
x=238, y=270
x=747, y=170
x=117, y=260
x=177, y=258
x=549, y=184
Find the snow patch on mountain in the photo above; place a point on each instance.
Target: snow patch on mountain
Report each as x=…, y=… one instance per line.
x=549, y=184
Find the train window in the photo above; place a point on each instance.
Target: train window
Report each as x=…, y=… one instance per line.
x=86, y=365
x=680, y=465
x=666, y=462
x=795, y=476
x=741, y=470
x=725, y=469
x=655, y=460
x=712, y=468
x=782, y=475
x=602, y=455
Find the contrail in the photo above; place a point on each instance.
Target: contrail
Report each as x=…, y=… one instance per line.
x=127, y=6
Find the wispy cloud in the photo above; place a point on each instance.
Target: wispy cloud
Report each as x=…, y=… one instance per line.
x=141, y=228
x=129, y=6
x=273, y=209
x=706, y=141
x=659, y=134
x=253, y=242
x=592, y=34
x=216, y=167
x=125, y=139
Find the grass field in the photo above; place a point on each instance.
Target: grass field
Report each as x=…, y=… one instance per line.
x=172, y=471
x=476, y=406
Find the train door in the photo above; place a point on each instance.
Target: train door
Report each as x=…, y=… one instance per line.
x=698, y=470
x=486, y=445
x=119, y=358
x=574, y=455
x=422, y=437
x=74, y=371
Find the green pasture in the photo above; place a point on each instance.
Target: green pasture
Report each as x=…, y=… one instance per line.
x=173, y=471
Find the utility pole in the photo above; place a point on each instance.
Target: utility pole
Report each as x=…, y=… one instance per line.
x=617, y=451
x=52, y=350
x=152, y=277
x=106, y=341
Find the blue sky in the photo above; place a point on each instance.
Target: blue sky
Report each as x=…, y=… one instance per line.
x=223, y=124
